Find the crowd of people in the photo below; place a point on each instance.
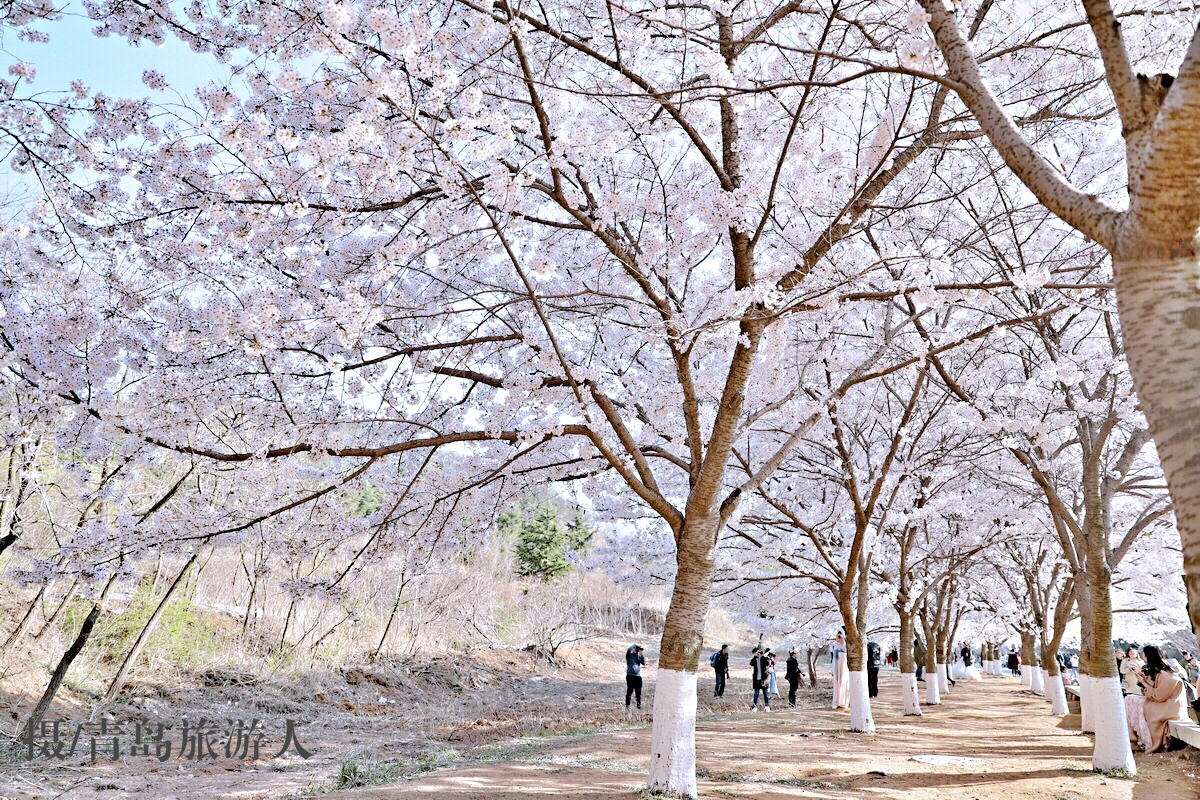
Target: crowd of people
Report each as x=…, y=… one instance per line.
x=1156, y=690
x=763, y=676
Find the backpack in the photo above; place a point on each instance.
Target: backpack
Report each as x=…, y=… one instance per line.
x=712, y=660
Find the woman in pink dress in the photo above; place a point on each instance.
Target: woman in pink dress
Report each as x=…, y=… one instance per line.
x=1161, y=701
x=841, y=673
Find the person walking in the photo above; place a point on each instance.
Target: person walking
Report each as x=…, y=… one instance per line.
x=772, y=683
x=919, y=657
x=634, y=660
x=720, y=665
x=1014, y=661
x=873, y=664
x=793, y=677
x=760, y=678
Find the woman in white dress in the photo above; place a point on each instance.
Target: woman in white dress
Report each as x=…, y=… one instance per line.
x=965, y=670
x=841, y=673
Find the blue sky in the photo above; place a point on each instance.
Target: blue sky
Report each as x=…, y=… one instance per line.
x=110, y=65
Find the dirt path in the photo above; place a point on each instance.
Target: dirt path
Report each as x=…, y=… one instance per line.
x=1010, y=746
x=498, y=737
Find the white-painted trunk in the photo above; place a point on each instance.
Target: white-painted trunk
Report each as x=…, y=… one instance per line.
x=1112, y=731
x=1035, y=680
x=673, y=745
x=1025, y=678
x=861, y=720
x=908, y=691
x=943, y=678
x=1087, y=722
x=1057, y=695
x=933, y=696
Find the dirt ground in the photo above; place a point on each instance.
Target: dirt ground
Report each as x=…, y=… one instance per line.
x=1009, y=747
x=496, y=724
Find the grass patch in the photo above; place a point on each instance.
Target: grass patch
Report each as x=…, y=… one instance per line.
x=723, y=777
x=368, y=773
x=801, y=783
x=184, y=635
x=360, y=772
x=1077, y=766
x=591, y=762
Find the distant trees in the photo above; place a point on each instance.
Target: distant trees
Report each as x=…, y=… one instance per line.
x=542, y=541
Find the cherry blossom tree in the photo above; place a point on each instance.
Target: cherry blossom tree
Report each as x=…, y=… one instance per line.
x=585, y=243
x=1152, y=239
x=452, y=250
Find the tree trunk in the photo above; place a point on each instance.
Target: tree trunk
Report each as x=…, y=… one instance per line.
x=1056, y=693
x=1086, y=723
x=391, y=618
x=933, y=694
x=1160, y=322
x=1087, y=720
x=942, y=663
x=861, y=720
x=14, y=522
x=908, y=668
x=58, y=611
x=135, y=652
x=812, y=668
x=1112, y=751
x=1028, y=658
x=933, y=683
x=673, y=736
x=26, y=620
x=1036, y=684
x=72, y=652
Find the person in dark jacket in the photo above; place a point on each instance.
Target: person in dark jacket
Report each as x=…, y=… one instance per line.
x=720, y=665
x=919, y=657
x=634, y=660
x=874, y=662
x=793, y=677
x=762, y=679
